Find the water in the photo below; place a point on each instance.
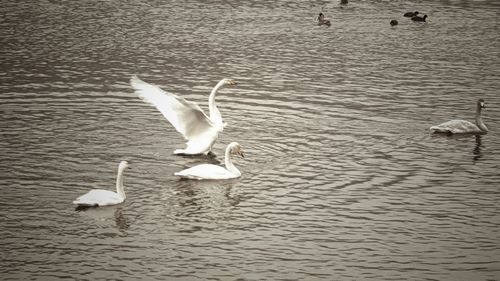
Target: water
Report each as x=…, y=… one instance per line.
x=341, y=179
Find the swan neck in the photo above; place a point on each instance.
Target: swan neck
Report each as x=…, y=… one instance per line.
x=479, y=121
x=229, y=163
x=478, y=111
x=215, y=116
x=119, y=183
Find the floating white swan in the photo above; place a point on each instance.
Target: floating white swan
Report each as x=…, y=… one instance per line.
x=214, y=172
x=462, y=126
x=101, y=197
x=187, y=117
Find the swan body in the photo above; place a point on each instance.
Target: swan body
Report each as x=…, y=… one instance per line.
x=200, y=131
x=215, y=172
x=101, y=197
x=463, y=126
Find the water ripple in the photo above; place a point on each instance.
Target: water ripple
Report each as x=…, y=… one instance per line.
x=341, y=178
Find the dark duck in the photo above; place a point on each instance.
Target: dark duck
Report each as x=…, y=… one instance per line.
x=322, y=21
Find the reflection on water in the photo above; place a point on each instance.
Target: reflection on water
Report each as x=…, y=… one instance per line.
x=477, y=148
x=121, y=221
x=477, y=151
x=105, y=214
x=340, y=180
x=205, y=195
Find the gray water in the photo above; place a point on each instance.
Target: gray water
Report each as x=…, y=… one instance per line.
x=341, y=178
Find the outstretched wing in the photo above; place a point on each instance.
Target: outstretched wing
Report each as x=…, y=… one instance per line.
x=187, y=117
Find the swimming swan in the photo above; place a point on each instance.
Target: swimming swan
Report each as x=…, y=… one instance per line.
x=462, y=126
x=214, y=172
x=187, y=117
x=101, y=197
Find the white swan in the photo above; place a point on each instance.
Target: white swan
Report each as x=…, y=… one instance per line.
x=214, y=172
x=101, y=197
x=462, y=126
x=187, y=117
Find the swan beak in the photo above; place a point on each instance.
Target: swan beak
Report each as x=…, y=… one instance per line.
x=231, y=82
x=241, y=154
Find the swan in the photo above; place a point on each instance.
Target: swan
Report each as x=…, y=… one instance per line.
x=462, y=126
x=322, y=21
x=410, y=14
x=417, y=18
x=187, y=117
x=214, y=172
x=101, y=197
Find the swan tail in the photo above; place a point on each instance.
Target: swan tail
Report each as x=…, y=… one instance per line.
x=200, y=145
x=436, y=129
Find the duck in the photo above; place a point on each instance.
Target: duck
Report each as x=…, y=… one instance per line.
x=394, y=22
x=344, y=2
x=417, y=18
x=215, y=172
x=322, y=21
x=410, y=14
x=463, y=126
x=101, y=197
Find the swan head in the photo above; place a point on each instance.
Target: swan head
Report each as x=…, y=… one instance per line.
x=123, y=165
x=228, y=82
x=480, y=103
x=235, y=148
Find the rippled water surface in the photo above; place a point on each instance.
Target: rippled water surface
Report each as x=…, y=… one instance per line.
x=341, y=178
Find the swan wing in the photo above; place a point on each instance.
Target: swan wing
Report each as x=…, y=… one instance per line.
x=207, y=172
x=455, y=127
x=99, y=197
x=187, y=117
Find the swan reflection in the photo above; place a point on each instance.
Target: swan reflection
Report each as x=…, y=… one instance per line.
x=207, y=195
x=105, y=214
x=200, y=205
x=121, y=220
x=477, y=149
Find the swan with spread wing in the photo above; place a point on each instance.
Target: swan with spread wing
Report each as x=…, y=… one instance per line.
x=200, y=131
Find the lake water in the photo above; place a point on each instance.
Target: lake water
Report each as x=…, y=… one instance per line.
x=341, y=178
